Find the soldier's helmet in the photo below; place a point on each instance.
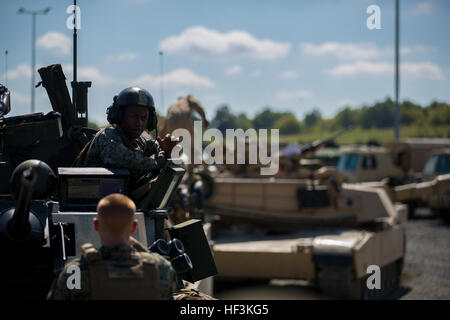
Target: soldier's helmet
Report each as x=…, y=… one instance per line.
x=132, y=96
x=135, y=96
x=45, y=179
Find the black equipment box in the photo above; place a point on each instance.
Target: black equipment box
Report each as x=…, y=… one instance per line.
x=196, y=245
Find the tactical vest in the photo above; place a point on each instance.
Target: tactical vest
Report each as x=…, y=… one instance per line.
x=109, y=282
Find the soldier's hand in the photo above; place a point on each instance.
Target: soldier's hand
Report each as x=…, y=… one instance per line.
x=168, y=142
x=161, y=158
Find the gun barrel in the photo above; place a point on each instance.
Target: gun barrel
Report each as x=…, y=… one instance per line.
x=314, y=146
x=19, y=225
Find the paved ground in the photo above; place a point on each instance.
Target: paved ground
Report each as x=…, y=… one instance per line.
x=426, y=273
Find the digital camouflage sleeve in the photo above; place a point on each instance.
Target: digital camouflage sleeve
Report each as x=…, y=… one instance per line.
x=110, y=148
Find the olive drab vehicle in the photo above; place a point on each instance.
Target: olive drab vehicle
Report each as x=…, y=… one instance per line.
x=47, y=206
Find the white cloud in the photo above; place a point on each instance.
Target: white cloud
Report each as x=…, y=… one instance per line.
x=363, y=67
x=344, y=50
x=122, y=57
x=358, y=51
x=233, y=70
x=422, y=69
x=22, y=71
x=426, y=70
x=55, y=42
x=288, y=74
x=256, y=73
x=423, y=7
x=291, y=95
x=176, y=78
x=201, y=41
x=345, y=103
x=139, y=2
x=19, y=98
x=89, y=74
x=419, y=49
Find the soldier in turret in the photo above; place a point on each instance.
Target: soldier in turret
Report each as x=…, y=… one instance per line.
x=123, y=145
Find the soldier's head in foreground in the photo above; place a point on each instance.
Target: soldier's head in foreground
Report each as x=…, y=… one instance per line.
x=115, y=219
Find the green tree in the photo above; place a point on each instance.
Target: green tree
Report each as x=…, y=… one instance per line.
x=288, y=124
x=381, y=115
x=438, y=113
x=411, y=113
x=243, y=122
x=312, y=118
x=224, y=119
x=266, y=119
x=345, y=117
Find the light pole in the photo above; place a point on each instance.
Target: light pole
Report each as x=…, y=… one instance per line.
x=6, y=68
x=397, y=75
x=33, y=13
x=162, y=82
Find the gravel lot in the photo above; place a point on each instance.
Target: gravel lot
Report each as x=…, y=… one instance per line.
x=426, y=272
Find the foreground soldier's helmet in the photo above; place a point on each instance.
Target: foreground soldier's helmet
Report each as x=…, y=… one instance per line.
x=46, y=179
x=132, y=96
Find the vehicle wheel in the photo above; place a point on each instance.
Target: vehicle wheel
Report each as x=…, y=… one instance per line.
x=411, y=209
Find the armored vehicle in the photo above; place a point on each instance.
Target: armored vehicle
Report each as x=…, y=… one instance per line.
x=433, y=188
x=47, y=206
x=400, y=161
x=319, y=231
x=429, y=188
x=366, y=163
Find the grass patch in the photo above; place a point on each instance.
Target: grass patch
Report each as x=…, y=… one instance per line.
x=360, y=135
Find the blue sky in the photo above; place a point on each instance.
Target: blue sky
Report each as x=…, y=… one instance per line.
x=290, y=55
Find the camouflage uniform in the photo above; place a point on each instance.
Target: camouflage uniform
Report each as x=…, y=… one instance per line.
x=121, y=261
x=111, y=148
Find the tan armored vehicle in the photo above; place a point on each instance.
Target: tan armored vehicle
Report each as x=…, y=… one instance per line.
x=368, y=164
x=434, y=190
x=311, y=230
x=401, y=161
x=431, y=187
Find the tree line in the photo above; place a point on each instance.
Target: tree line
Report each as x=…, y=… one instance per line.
x=379, y=115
